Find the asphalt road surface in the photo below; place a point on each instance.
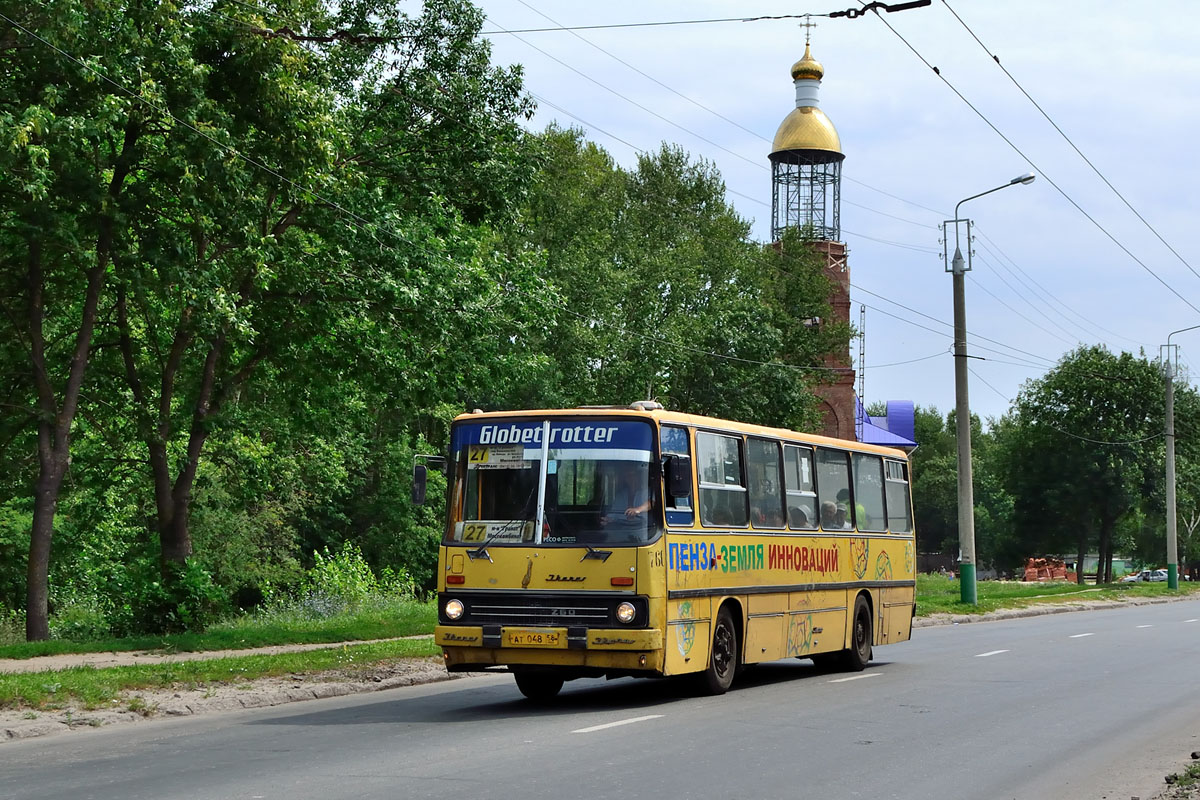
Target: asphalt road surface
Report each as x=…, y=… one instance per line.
x=1097, y=704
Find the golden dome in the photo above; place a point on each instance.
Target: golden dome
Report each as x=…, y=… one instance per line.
x=808, y=67
x=806, y=128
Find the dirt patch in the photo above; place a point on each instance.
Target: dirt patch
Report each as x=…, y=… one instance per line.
x=131, y=658
x=141, y=705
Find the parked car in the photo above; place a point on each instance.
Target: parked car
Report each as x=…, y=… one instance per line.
x=1151, y=575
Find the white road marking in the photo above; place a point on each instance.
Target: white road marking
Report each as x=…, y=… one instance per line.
x=618, y=722
x=990, y=653
x=1192, y=620
x=1081, y=635
x=857, y=677
x=1145, y=626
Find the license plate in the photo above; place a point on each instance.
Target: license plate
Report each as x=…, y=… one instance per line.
x=533, y=638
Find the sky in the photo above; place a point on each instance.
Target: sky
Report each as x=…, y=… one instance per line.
x=1059, y=263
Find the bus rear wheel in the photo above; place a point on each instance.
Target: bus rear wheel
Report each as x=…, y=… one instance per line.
x=538, y=685
x=724, y=657
x=858, y=656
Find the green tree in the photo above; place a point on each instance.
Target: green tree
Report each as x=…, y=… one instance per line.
x=251, y=196
x=1082, y=451
x=656, y=274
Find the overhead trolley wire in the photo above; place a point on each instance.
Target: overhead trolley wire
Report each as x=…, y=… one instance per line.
x=1061, y=133
x=572, y=28
x=702, y=106
x=1038, y=169
x=1033, y=281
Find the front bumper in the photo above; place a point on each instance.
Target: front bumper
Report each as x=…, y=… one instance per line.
x=599, y=648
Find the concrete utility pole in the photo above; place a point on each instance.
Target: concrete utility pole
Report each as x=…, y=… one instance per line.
x=1168, y=360
x=962, y=406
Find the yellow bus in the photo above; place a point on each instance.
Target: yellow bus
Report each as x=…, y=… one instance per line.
x=623, y=541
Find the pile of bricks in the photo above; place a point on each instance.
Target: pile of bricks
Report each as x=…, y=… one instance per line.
x=1046, y=569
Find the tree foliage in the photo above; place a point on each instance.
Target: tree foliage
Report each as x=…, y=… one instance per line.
x=1083, y=450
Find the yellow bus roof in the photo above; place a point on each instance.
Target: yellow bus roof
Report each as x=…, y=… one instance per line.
x=664, y=416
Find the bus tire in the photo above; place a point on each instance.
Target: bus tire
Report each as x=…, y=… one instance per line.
x=538, y=685
x=724, y=656
x=858, y=655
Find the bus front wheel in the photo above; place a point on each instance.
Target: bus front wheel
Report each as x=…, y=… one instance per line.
x=724, y=658
x=537, y=685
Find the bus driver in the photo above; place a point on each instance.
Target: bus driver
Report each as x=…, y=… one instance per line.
x=629, y=499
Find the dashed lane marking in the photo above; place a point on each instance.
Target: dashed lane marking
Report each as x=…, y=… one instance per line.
x=1145, y=626
x=618, y=722
x=857, y=677
x=990, y=653
x=1081, y=635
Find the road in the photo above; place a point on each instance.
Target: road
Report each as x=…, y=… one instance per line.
x=1084, y=705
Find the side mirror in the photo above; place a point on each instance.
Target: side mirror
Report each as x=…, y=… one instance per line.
x=418, y=488
x=679, y=476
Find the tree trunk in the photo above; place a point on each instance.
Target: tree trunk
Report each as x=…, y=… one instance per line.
x=1104, y=566
x=1081, y=557
x=37, y=601
x=174, y=534
x=54, y=426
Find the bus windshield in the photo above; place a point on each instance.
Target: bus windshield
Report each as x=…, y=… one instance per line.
x=597, y=482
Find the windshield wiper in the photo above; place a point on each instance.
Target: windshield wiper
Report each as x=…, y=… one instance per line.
x=481, y=551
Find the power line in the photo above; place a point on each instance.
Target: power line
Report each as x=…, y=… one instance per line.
x=702, y=106
x=571, y=28
x=948, y=325
x=633, y=102
x=1038, y=169
x=979, y=285
x=1033, y=281
x=1054, y=124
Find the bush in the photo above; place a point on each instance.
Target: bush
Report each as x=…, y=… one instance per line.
x=79, y=619
x=12, y=626
x=338, y=583
x=176, y=600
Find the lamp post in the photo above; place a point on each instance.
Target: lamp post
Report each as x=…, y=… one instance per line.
x=1172, y=531
x=962, y=406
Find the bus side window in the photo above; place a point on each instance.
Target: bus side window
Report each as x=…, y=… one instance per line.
x=898, y=506
x=722, y=490
x=801, y=490
x=868, y=492
x=833, y=484
x=674, y=441
x=762, y=479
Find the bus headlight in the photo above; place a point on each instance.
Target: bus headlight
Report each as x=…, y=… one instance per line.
x=454, y=609
x=626, y=612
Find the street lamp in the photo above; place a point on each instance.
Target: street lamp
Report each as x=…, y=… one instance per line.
x=962, y=406
x=1172, y=531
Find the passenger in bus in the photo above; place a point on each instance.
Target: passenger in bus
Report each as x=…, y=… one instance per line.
x=829, y=515
x=842, y=519
x=797, y=518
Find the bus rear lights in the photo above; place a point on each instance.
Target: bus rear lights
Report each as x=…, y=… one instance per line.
x=454, y=609
x=626, y=612
x=621, y=581
x=456, y=579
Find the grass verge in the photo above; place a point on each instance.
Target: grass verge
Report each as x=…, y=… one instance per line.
x=381, y=620
x=940, y=594
x=93, y=688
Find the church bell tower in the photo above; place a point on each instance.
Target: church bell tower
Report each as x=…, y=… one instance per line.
x=806, y=194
